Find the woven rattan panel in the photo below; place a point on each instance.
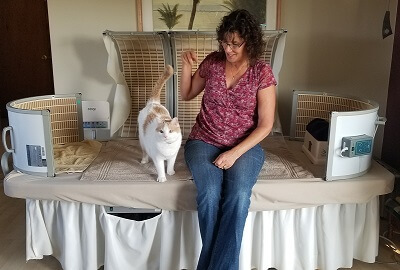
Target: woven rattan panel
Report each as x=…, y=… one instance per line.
x=311, y=106
x=143, y=60
x=63, y=115
x=271, y=38
x=203, y=43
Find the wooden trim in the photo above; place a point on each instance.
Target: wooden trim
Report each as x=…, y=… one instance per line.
x=139, y=15
x=278, y=14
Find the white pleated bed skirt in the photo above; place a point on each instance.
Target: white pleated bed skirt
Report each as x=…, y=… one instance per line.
x=83, y=236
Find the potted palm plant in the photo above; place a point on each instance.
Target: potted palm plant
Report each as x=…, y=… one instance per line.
x=169, y=16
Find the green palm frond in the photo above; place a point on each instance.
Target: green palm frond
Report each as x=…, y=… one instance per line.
x=169, y=16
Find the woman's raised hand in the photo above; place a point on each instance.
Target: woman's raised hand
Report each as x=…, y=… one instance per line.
x=188, y=58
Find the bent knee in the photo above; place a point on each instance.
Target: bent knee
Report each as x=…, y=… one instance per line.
x=210, y=197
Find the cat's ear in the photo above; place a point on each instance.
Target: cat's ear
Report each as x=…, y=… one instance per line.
x=175, y=121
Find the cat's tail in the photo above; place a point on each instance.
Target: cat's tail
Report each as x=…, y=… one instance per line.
x=156, y=92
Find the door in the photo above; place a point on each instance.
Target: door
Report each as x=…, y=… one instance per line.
x=391, y=141
x=25, y=54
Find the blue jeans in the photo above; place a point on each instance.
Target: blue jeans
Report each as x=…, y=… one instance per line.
x=223, y=200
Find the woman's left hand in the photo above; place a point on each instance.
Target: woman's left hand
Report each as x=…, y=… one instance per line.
x=226, y=160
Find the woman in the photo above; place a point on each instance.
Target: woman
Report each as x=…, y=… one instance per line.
x=223, y=151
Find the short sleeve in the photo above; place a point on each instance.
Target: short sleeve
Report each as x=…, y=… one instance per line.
x=266, y=77
x=204, y=67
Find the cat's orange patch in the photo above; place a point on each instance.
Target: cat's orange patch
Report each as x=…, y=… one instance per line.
x=160, y=110
x=174, y=128
x=157, y=111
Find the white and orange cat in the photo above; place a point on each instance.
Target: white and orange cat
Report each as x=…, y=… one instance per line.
x=159, y=135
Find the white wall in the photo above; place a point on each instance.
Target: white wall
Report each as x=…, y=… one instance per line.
x=78, y=51
x=332, y=46
x=336, y=47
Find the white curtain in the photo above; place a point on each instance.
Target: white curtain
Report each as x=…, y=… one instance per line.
x=84, y=236
x=71, y=232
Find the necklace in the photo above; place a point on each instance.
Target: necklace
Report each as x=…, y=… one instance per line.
x=238, y=70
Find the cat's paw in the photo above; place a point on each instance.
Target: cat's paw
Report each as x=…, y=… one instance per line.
x=144, y=160
x=171, y=172
x=161, y=179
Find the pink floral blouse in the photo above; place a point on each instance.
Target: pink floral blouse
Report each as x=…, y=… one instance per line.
x=228, y=116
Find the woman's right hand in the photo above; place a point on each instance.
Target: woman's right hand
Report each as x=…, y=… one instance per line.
x=188, y=58
x=190, y=86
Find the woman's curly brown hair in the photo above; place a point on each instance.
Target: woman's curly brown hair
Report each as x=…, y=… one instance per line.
x=247, y=27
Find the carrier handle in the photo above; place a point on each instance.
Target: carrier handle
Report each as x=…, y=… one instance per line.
x=9, y=128
x=4, y=163
x=4, y=158
x=380, y=120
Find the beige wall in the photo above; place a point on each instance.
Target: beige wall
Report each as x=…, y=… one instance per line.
x=78, y=52
x=332, y=46
x=336, y=46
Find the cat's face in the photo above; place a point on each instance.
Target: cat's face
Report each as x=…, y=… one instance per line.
x=169, y=131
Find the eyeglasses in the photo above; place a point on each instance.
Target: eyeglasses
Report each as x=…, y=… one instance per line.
x=233, y=47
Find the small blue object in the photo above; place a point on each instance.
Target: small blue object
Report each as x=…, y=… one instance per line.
x=95, y=124
x=353, y=146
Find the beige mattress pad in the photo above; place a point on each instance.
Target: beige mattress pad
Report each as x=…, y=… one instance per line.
x=119, y=160
x=98, y=186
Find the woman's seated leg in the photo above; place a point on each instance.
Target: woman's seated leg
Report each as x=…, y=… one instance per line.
x=237, y=188
x=208, y=179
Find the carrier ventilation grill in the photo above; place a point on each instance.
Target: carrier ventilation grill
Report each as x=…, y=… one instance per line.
x=202, y=44
x=63, y=115
x=143, y=61
x=308, y=106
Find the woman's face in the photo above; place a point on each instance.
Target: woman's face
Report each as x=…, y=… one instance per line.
x=234, y=47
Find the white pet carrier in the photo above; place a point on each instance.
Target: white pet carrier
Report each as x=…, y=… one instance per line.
x=353, y=122
x=35, y=125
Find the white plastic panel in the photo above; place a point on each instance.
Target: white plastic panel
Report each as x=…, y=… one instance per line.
x=345, y=124
x=28, y=133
